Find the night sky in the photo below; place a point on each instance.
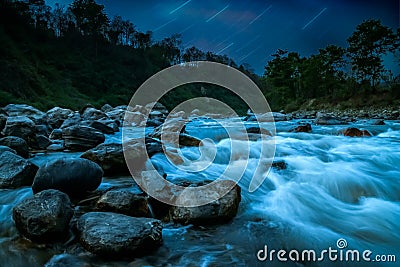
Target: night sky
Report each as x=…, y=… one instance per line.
x=250, y=31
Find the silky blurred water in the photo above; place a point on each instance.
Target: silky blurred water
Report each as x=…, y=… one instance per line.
x=334, y=187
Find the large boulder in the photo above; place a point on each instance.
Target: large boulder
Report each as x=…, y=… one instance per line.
x=323, y=119
x=111, y=156
x=73, y=176
x=354, y=132
x=56, y=116
x=113, y=235
x=218, y=211
x=23, y=110
x=44, y=217
x=20, y=126
x=16, y=143
x=81, y=138
x=125, y=202
x=15, y=171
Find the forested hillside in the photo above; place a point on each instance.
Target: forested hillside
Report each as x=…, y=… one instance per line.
x=72, y=55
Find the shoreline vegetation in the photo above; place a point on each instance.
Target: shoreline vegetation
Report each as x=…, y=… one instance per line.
x=73, y=55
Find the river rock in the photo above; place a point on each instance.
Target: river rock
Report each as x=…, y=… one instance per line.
x=56, y=116
x=156, y=106
x=153, y=123
x=15, y=171
x=113, y=235
x=378, y=122
x=218, y=211
x=44, y=217
x=105, y=126
x=73, y=176
x=354, y=132
x=56, y=134
x=257, y=130
x=116, y=114
x=266, y=117
x=106, y=108
x=16, y=143
x=72, y=120
x=92, y=114
x=175, y=129
x=111, y=156
x=279, y=165
x=306, y=128
x=323, y=119
x=14, y=110
x=43, y=129
x=57, y=145
x=42, y=142
x=135, y=118
x=20, y=126
x=80, y=138
x=6, y=148
x=125, y=202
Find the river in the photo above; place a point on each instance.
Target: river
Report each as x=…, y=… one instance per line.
x=334, y=187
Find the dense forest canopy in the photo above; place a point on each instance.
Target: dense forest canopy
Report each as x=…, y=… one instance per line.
x=71, y=55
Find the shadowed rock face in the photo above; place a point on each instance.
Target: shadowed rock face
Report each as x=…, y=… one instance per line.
x=16, y=143
x=15, y=171
x=112, y=235
x=81, y=138
x=124, y=202
x=73, y=176
x=111, y=156
x=218, y=211
x=354, y=132
x=44, y=217
x=20, y=126
x=23, y=110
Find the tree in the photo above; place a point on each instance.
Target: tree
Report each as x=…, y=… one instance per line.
x=116, y=29
x=142, y=40
x=193, y=54
x=40, y=13
x=367, y=45
x=171, y=47
x=91, y=18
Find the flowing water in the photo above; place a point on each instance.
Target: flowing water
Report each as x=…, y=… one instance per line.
x=334, y=187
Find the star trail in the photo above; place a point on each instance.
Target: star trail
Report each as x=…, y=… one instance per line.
x=250, y=31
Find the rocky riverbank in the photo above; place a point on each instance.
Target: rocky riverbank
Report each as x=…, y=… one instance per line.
x=71, y=213
x=68, y=211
